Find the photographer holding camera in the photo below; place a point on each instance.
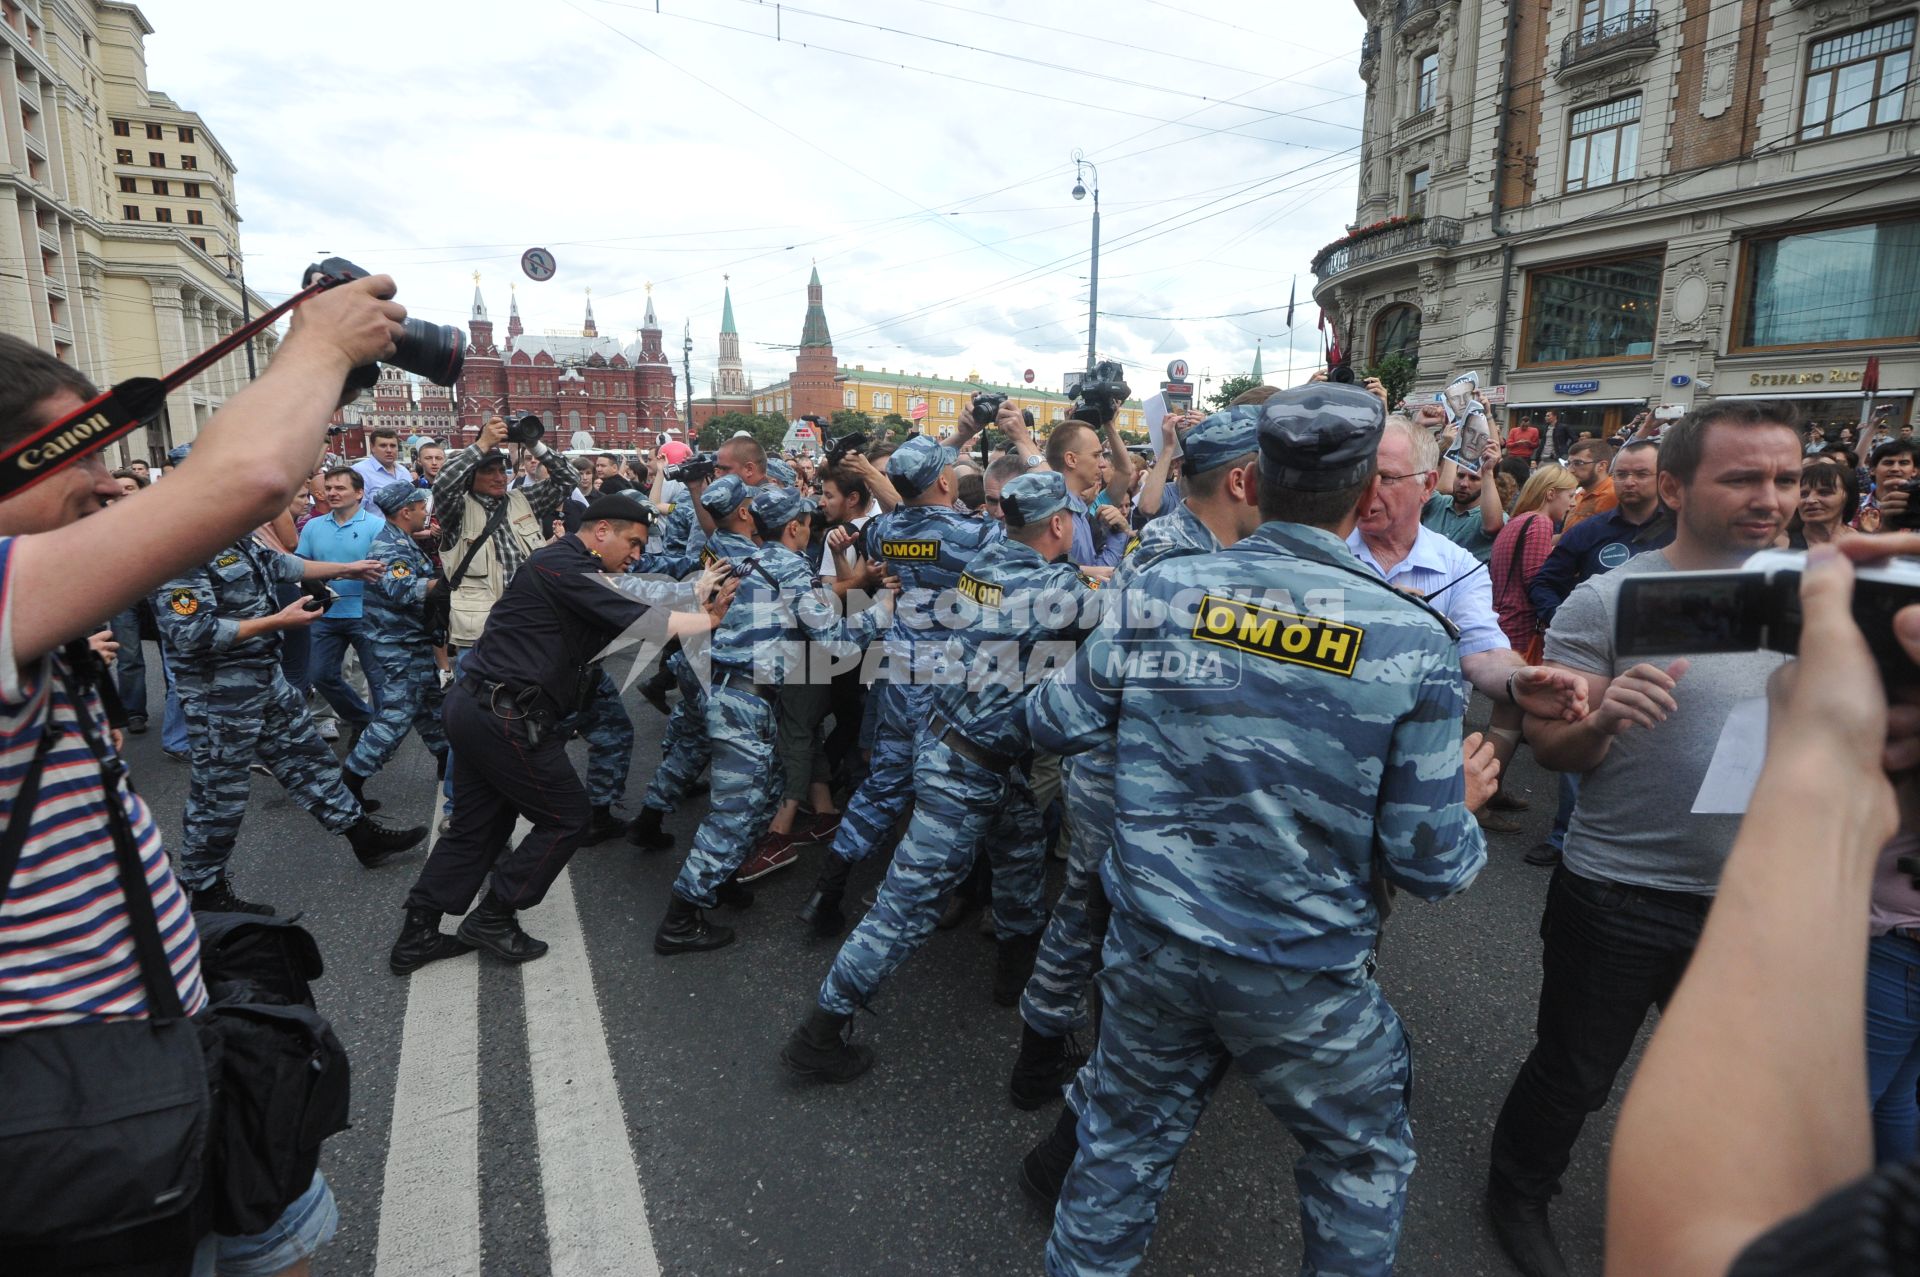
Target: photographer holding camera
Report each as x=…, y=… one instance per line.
x=86, y=875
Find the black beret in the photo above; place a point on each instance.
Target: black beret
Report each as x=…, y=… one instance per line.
x=619, y=506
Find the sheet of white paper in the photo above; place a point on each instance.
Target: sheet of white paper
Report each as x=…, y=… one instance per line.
x=1155, y=407
x=1737, y=759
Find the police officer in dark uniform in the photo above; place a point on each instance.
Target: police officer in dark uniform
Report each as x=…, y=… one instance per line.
x=534, y=667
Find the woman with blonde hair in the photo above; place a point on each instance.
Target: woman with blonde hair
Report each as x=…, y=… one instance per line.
x=1517, y=554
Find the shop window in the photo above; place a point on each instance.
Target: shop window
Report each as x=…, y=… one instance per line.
x=1592, y=310
x=1842, y=284
x=1857, y=80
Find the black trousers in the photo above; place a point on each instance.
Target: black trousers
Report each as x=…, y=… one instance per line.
x=497, y=778
x=1612, y=952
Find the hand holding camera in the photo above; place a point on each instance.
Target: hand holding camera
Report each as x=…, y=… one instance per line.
x=493, y=434
x=437, y=352
x=1097, y=397
x=356, y=324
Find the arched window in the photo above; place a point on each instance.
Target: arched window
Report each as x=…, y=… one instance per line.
x=573, y=419
x=620, y=421
x=600, y=421
x=546, y=418
x=1396, y=331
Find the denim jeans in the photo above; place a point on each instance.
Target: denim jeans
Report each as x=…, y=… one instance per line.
x=173, y=721
x=1893, y=1045
x=1612, y=951
x=295, y=643
x=1563, y=814
x=130, y=667
x=331, y=637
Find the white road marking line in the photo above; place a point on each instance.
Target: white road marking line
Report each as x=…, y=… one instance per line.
x=430, y=1204
x=596, y=1211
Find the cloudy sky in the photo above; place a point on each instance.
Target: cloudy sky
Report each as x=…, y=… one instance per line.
x=919, y=150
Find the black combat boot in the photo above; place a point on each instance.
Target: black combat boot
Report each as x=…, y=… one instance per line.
x=356, y=783
x=819, y=1049
x=1044, y=1067
x=645, y=832
x=822, y=910
x=374, y=842
x=1044, y=1169
x=686, y=930
x=654, y=690
x=1014, y=967
x=492, y=926
x=219, y=898
x=605, y=825
x=734, y=894
x=1520, y=1226
x=421, y=941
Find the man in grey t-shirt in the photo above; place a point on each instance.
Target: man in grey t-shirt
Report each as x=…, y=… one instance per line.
x=1625, y=908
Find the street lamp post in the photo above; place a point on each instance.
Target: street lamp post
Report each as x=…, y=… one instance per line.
x=238, y=269
x=1081, y=165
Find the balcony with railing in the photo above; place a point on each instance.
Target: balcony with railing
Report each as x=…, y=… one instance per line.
x=1371, y=246
x=1412, y=16
x=1625, y=37
x=1370, y=45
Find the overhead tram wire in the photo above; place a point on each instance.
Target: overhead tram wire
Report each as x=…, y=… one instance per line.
x=946, y=76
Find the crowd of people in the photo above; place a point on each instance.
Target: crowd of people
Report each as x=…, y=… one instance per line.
x=1226, y=682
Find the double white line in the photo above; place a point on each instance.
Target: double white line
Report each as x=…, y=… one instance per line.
x=596, y=1213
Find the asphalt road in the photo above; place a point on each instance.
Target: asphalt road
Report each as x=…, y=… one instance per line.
x=603, y=1074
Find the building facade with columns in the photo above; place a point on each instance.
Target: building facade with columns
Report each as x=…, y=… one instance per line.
x=1606, y=203
x=620, y=393
x=122, y=212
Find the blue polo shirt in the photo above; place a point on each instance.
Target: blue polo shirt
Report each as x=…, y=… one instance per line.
x=327, y=540
x=1092, y=545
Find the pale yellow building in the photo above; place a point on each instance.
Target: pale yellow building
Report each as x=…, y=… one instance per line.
x=879, y=393
x=122, y=252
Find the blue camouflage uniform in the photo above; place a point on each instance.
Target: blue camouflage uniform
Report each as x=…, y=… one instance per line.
x=1243, y=859
x=779, y=606
x=394, y=620
x=1054, y=1003
x=683, y=746
x=239, y=707
x=680, y=531
x=926, y=547
x=1022, y=615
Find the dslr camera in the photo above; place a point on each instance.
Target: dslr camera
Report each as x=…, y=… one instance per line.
x=1342, y=373
x=1098, y=395
x=1757, y=608
x=695, y=469
x=435, y=351
x=527, y=430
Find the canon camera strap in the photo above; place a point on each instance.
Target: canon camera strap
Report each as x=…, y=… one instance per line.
x=123, y=408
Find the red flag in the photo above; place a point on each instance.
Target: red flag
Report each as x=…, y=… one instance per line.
x=1870, y=379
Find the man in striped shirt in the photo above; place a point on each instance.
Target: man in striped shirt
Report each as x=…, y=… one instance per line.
x=67, y=558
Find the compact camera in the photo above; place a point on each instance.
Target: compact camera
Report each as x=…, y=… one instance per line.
x=1757, y=608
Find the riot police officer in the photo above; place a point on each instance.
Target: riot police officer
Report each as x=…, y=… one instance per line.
x=394, y=620
x=220, y=631
x=925, y=542
x=1241, y=877
x=1015, y=596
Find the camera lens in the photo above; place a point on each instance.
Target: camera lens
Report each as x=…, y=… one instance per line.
x=434, y=351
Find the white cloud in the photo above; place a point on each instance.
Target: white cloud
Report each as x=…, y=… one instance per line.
x=431, y=141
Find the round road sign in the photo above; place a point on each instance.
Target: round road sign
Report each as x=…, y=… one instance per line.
x=1029, y=376
x=1177, y=370
x=538, y=263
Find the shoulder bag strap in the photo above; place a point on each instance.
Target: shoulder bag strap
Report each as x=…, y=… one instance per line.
x=494, y=520
x=163, y=995
x=14, y=837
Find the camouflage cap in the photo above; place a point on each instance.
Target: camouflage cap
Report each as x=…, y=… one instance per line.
x=781, y=473
x=916, y=464
x=1030, y=497
x=396, y=497
x=1222, y=437
x=775, y=508
x=1320, y=437
x=725, y=495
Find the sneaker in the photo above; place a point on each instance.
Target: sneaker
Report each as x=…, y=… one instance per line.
x=177, y=755
x=821, y=827
x=1503, y=801
x=137, y=724
x=219, y=898
x=1494, y=823
x=329, y=729
x=776, y=851
x=260, y=769
x=1544, y=856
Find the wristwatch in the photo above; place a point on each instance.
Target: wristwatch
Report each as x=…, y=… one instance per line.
x=1033, y=461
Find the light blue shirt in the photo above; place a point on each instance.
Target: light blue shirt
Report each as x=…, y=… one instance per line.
x=1449, y=578
x=327, y=540
x=378, y=477
x=1082, y=552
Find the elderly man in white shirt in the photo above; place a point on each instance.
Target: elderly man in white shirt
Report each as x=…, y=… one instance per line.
x=1391, y=542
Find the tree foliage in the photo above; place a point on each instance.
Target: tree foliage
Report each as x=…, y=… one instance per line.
x=1396, y=373
x=1232, y=388
x=768, y=428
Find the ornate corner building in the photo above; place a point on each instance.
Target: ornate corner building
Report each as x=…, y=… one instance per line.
x=1603, y=203
x=120, y=250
